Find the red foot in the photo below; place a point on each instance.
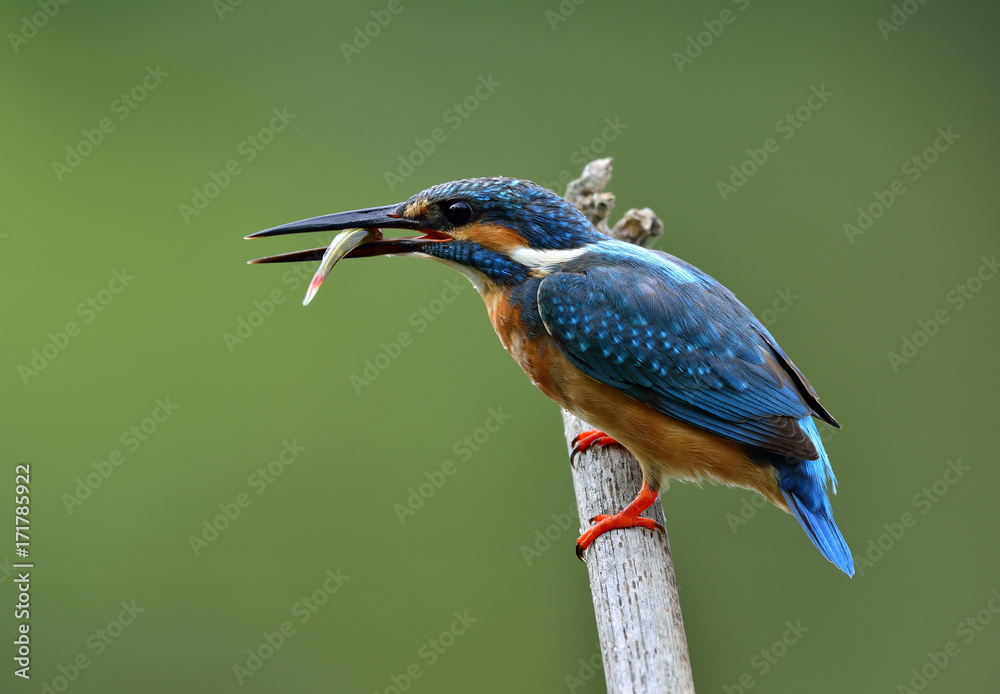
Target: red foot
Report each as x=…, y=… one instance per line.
x=627, y=518
x=586, y=439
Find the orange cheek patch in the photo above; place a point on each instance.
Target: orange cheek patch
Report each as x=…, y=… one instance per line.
x=496, y=238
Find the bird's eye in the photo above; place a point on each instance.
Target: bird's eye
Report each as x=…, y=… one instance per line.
x=458, y=213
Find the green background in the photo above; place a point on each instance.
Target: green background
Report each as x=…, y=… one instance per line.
x=162, y=336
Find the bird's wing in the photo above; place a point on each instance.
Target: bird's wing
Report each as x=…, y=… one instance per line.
x=670, y=336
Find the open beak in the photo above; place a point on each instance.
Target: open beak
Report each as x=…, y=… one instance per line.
x=364, y=239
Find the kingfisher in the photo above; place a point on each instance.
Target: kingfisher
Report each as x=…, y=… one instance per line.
x=654, y=353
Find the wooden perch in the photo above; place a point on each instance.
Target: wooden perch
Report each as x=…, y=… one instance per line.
x=632, y=576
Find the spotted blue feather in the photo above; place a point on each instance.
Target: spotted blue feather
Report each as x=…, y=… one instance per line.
x=670, y=336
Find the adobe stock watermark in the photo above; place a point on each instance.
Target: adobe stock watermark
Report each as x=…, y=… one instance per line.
x=295, y=276
x=967, y=630
x=58, y=341
x=429, y=653
x=958, y=297
x=365, y=33
x=247, y=325
x=562, y=12
x=35, y=22
x=6, y=570
x=768, y=657
x=584, y=154
x=543, y=538
x=303, y=610
x=899, y=16
x=96, y=644
x=786, y=126
x=121, y=106
x=419, y=320
x=224, y=7
x=913, y=168
x=923, y=501
x=782, y=302
x=750, y=504
x=259, y=481
x=698, y=43
x=131, y=439
x=248, y=150
x=454, y=117
x=589, y=668
x=463, y=449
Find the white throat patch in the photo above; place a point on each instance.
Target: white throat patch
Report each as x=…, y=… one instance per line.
x=546, y=261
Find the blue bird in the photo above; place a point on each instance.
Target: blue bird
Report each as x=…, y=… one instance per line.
x=648, y=348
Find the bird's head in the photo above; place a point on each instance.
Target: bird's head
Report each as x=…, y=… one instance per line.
x=497, y=231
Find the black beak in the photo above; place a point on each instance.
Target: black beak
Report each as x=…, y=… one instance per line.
x=388, y=217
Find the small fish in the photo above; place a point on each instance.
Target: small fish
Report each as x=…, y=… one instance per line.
x=342, y=244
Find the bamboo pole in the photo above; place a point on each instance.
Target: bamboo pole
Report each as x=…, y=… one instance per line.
x=632, y=578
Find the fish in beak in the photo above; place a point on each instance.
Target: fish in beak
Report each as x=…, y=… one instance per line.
x=362, y=238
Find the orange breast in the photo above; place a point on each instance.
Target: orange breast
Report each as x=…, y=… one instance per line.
x=534, y=356
x=664, y=446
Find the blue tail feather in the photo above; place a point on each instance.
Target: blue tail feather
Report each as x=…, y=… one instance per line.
x=803, y=484
x=823, y=531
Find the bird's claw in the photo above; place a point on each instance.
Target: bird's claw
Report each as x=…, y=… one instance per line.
x=585, y=439
x=601, y=523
